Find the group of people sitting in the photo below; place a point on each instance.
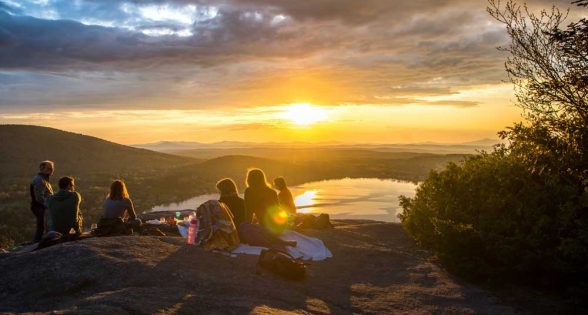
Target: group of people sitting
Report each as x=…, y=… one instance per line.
x=262, y=212
x=60, y=212
x=260, y=200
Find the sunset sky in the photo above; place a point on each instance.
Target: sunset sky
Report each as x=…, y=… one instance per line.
x=354, y=71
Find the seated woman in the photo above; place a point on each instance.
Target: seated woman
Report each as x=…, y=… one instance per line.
x=116, y=207
x=285, y=196
x=262, y=201
x=230, y=197
x=118, y=204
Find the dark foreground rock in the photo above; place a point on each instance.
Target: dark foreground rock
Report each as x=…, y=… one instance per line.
x=375, y=270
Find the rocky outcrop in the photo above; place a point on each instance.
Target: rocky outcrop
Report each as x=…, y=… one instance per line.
x=375, y=270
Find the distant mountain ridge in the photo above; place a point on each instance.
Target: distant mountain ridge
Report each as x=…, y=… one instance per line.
x=163, y=146
x=423, y=147
x=485, y=142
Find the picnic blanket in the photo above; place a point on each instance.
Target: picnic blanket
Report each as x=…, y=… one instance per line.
x=307, y=248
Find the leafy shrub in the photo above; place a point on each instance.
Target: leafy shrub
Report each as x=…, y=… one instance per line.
x=492, y=218
x=522, y=210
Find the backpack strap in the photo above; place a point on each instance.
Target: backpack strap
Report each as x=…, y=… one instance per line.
x=278, y=251
x=274, y=250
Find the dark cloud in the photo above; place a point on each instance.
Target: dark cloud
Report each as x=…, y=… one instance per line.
x=369, y=51
x=30, y=43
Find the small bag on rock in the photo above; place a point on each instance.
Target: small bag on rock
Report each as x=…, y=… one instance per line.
x=282, y=264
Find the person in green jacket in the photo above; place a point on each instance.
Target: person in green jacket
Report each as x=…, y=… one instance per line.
x=64, y=208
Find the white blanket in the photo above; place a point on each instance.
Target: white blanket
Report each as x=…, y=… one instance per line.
x=307, y=248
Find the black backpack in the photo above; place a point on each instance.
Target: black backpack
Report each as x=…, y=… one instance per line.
x=282, y=264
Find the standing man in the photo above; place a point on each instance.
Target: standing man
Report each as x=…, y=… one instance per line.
x=40, y=189
x=64, y=209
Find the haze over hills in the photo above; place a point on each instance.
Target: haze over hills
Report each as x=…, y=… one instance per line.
x=183, y=147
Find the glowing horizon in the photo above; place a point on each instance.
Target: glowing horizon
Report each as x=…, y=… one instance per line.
x=133, y=72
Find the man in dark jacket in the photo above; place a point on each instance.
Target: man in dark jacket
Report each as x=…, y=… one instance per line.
x=40, y=189
x=64, y=208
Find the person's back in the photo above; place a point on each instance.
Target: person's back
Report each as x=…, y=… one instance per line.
x=118, y=208
x=285, y=196
x=237, y=206
x=229, y=195
x=287, y=201
x=118, y=202
x=115, y=208
x=263, y=201
x=64, y=208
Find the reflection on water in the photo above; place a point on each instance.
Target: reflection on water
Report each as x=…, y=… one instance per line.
x=353, y=198
x=305, y=201
x=348, y=198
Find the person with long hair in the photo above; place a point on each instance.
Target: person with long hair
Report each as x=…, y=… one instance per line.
x=116, y=208
x=285, y=195
x=262, y=201
x=118, y=204
x=229, y=195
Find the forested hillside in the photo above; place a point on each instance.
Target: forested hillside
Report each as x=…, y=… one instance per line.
x=23, y=147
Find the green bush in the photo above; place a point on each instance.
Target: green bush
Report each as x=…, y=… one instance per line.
x=521, y=212
x=492, y=218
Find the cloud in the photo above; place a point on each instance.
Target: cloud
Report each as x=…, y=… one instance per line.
x=221, y=31
x=453, y=103
x=197, y=54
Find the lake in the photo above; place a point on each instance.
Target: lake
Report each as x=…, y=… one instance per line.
x=348, y=198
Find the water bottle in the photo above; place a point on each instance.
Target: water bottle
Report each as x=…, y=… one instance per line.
x=192, y=231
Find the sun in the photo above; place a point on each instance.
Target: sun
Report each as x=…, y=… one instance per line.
x=304, y=114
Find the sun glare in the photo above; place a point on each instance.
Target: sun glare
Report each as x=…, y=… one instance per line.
x=304, y=114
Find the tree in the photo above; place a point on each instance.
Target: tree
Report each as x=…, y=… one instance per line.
x=548, y=66
x=521, y=211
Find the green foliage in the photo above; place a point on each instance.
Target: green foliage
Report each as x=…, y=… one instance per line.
x=521, y=211
x=491, y=218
